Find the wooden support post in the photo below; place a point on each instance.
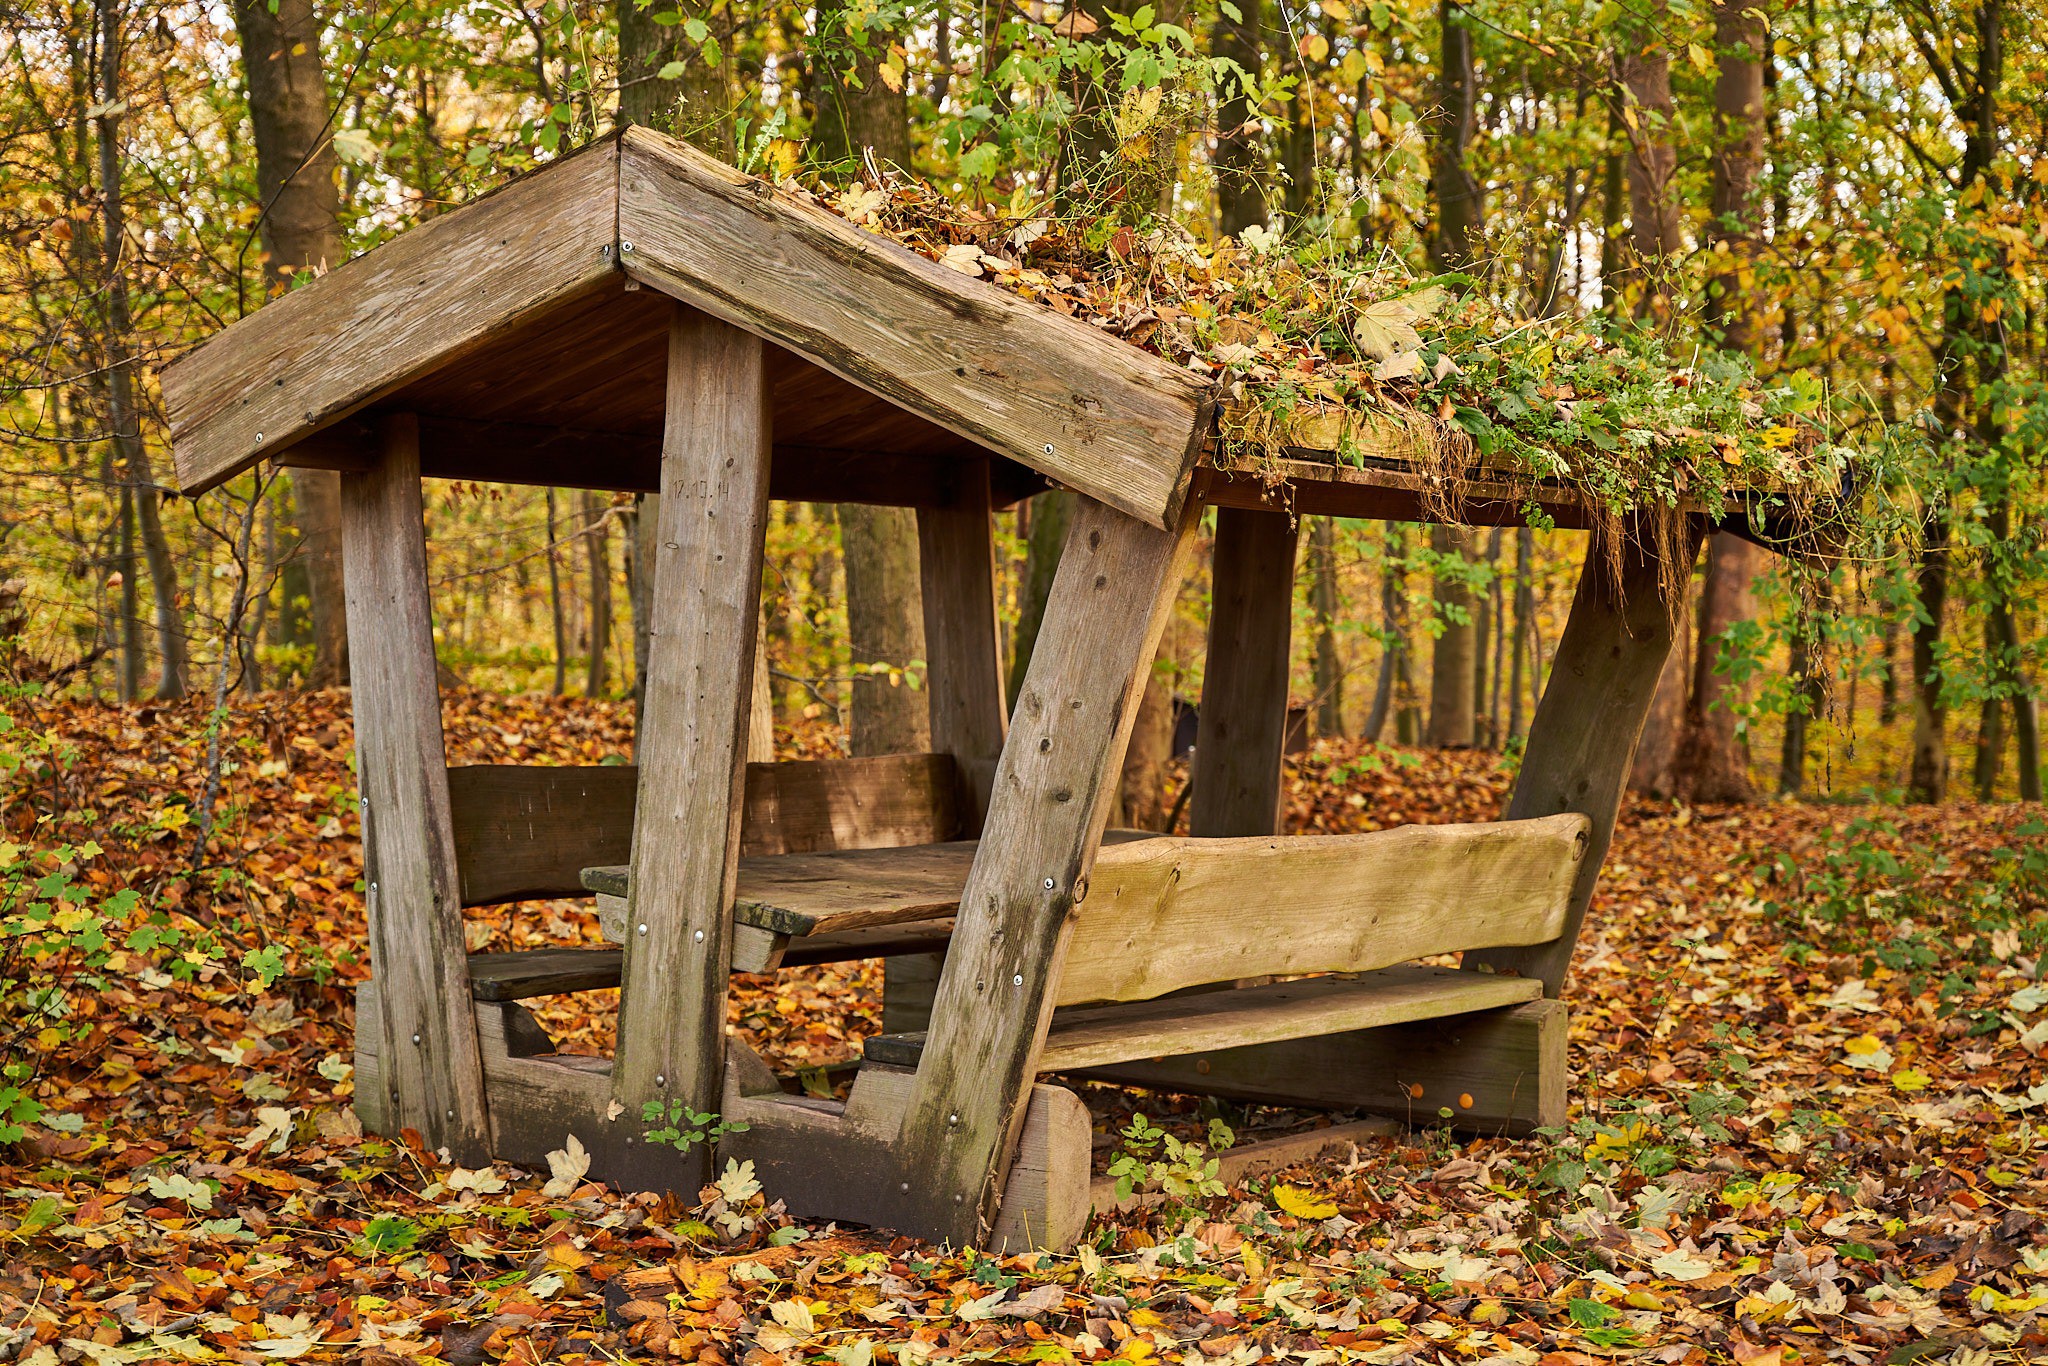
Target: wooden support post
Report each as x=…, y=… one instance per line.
x=963, y=656
x=964, y=682
x=693, y=736
x=1582, y=741
x=1244, y=681
x=1051, y=799
x=433, y=1073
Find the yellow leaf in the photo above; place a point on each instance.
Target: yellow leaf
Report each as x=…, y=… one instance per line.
x=1910, y=1079
x=1863, y=1043
x=1337, y=10
x=1301, y=1204
x=1701, y=58
x=1316, y=48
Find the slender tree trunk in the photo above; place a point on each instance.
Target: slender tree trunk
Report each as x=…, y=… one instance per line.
x=597, y=554
x=1452, y=696
x=695, y=105
x=131, y=598
x=555, y=606
x=1927, y=780
x=1240, y=198
x=124, y=419
x=885, y=627
x=855, y=111
x=1712, y=764
x=301, y=236
x=1525, y=614
x=1393, y=629
x=1655, y=234
x=1990, y=741
x=1460, y=200
x=1325, y=608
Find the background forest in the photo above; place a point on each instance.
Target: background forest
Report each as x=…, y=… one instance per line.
x=1851, y=194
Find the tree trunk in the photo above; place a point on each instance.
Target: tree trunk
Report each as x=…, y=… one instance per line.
x=1927, y=779
x=1460, y=200
x=1712, y=764
x=1739, y=113
x=597, y=546
x=1393, y=630
x=1525, y=614
x=1651, y=774
x=1142, y=787
x=1325, y=606
x=884, y=626
x=694, y=105
x=1051, y=513
x=854, y=109
x=555, y=606
x=1990, y=743
x=1240, y=198
x=301, y=235
x=1452, y=696
x=1655, y=237
x=124, y=419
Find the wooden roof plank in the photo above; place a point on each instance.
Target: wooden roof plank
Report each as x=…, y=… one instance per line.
x=419, y=301
x=1095, y=413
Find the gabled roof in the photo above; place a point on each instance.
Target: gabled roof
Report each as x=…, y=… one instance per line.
x=522, y=315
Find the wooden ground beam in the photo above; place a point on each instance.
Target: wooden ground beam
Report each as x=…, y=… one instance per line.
x=433, y=1076
x=692, y=750
x=1244, y=682
x=1051, y=800
x=1582, y=740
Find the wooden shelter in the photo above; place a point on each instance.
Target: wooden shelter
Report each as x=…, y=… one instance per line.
x=638, y=317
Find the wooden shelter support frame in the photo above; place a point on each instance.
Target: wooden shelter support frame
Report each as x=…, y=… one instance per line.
x=638, y=317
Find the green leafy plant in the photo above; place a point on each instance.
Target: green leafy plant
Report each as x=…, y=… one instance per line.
x=682, y=1128
x=1154, y=1160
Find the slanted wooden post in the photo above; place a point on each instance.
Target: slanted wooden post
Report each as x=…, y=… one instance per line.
x=1582, y=740
x=430, y=1067
x=694, y=724
x=1052, y=795
x=1244, y=681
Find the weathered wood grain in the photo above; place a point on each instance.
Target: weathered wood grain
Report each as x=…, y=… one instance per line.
x=963, y=642
x=1378, y=492
x=528, y=831
x=525, y=973
x=1582, y=740
x=1166, y=914
x=693, y=732
x=1244, y=678
x=1082, y=407
x=418, y=302
x=1508, y=1063
x=433, y=1076
x=1239, y=1164
x=1053, y=789
x=1096, y=1036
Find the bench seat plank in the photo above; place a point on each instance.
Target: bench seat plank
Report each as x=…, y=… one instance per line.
x=1096, y=1036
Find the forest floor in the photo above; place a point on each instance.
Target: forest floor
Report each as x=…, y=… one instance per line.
x=1809, y=1057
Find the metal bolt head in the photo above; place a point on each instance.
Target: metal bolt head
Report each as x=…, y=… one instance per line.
x=643, y=930
x=1049, y=884
x=451, y=1114
x=660, y=1080
x=415, y=1038
x=625, y=246
x=699, y=936
x=1048, y=448
x=259, y=438
x=1018, y=980
x=952, y=1119
x=905, y=1186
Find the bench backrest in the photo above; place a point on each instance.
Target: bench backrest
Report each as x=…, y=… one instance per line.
x=1163, y=914
x=526, y=833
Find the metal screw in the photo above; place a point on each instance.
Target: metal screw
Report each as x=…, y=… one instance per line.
x=394, y=1095
x=643, y=930
x=660, y=1080
x=415, y=1038
x=1049, y=884
x=451, y=1114
x=700, y=936
x=1048, y=448
x=952, y=1119
x=625, y=246
x=373, y=889
x=904, y=1186
x=1018, y=980
x=259, y=438
x=959, y=1200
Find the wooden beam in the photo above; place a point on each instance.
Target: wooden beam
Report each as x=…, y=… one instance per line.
x=524, y=832
x=1244, y=680
x=1509, y=1064
x=963, y=645
x=686, y=835
x=1096, y=1036
x=1582, y=740
x=1072, y=402
x=1313, y=488
x=1162, y=915
x=433, y=1076
x=630, y=462
x=418, y=302
x=1053, y=789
